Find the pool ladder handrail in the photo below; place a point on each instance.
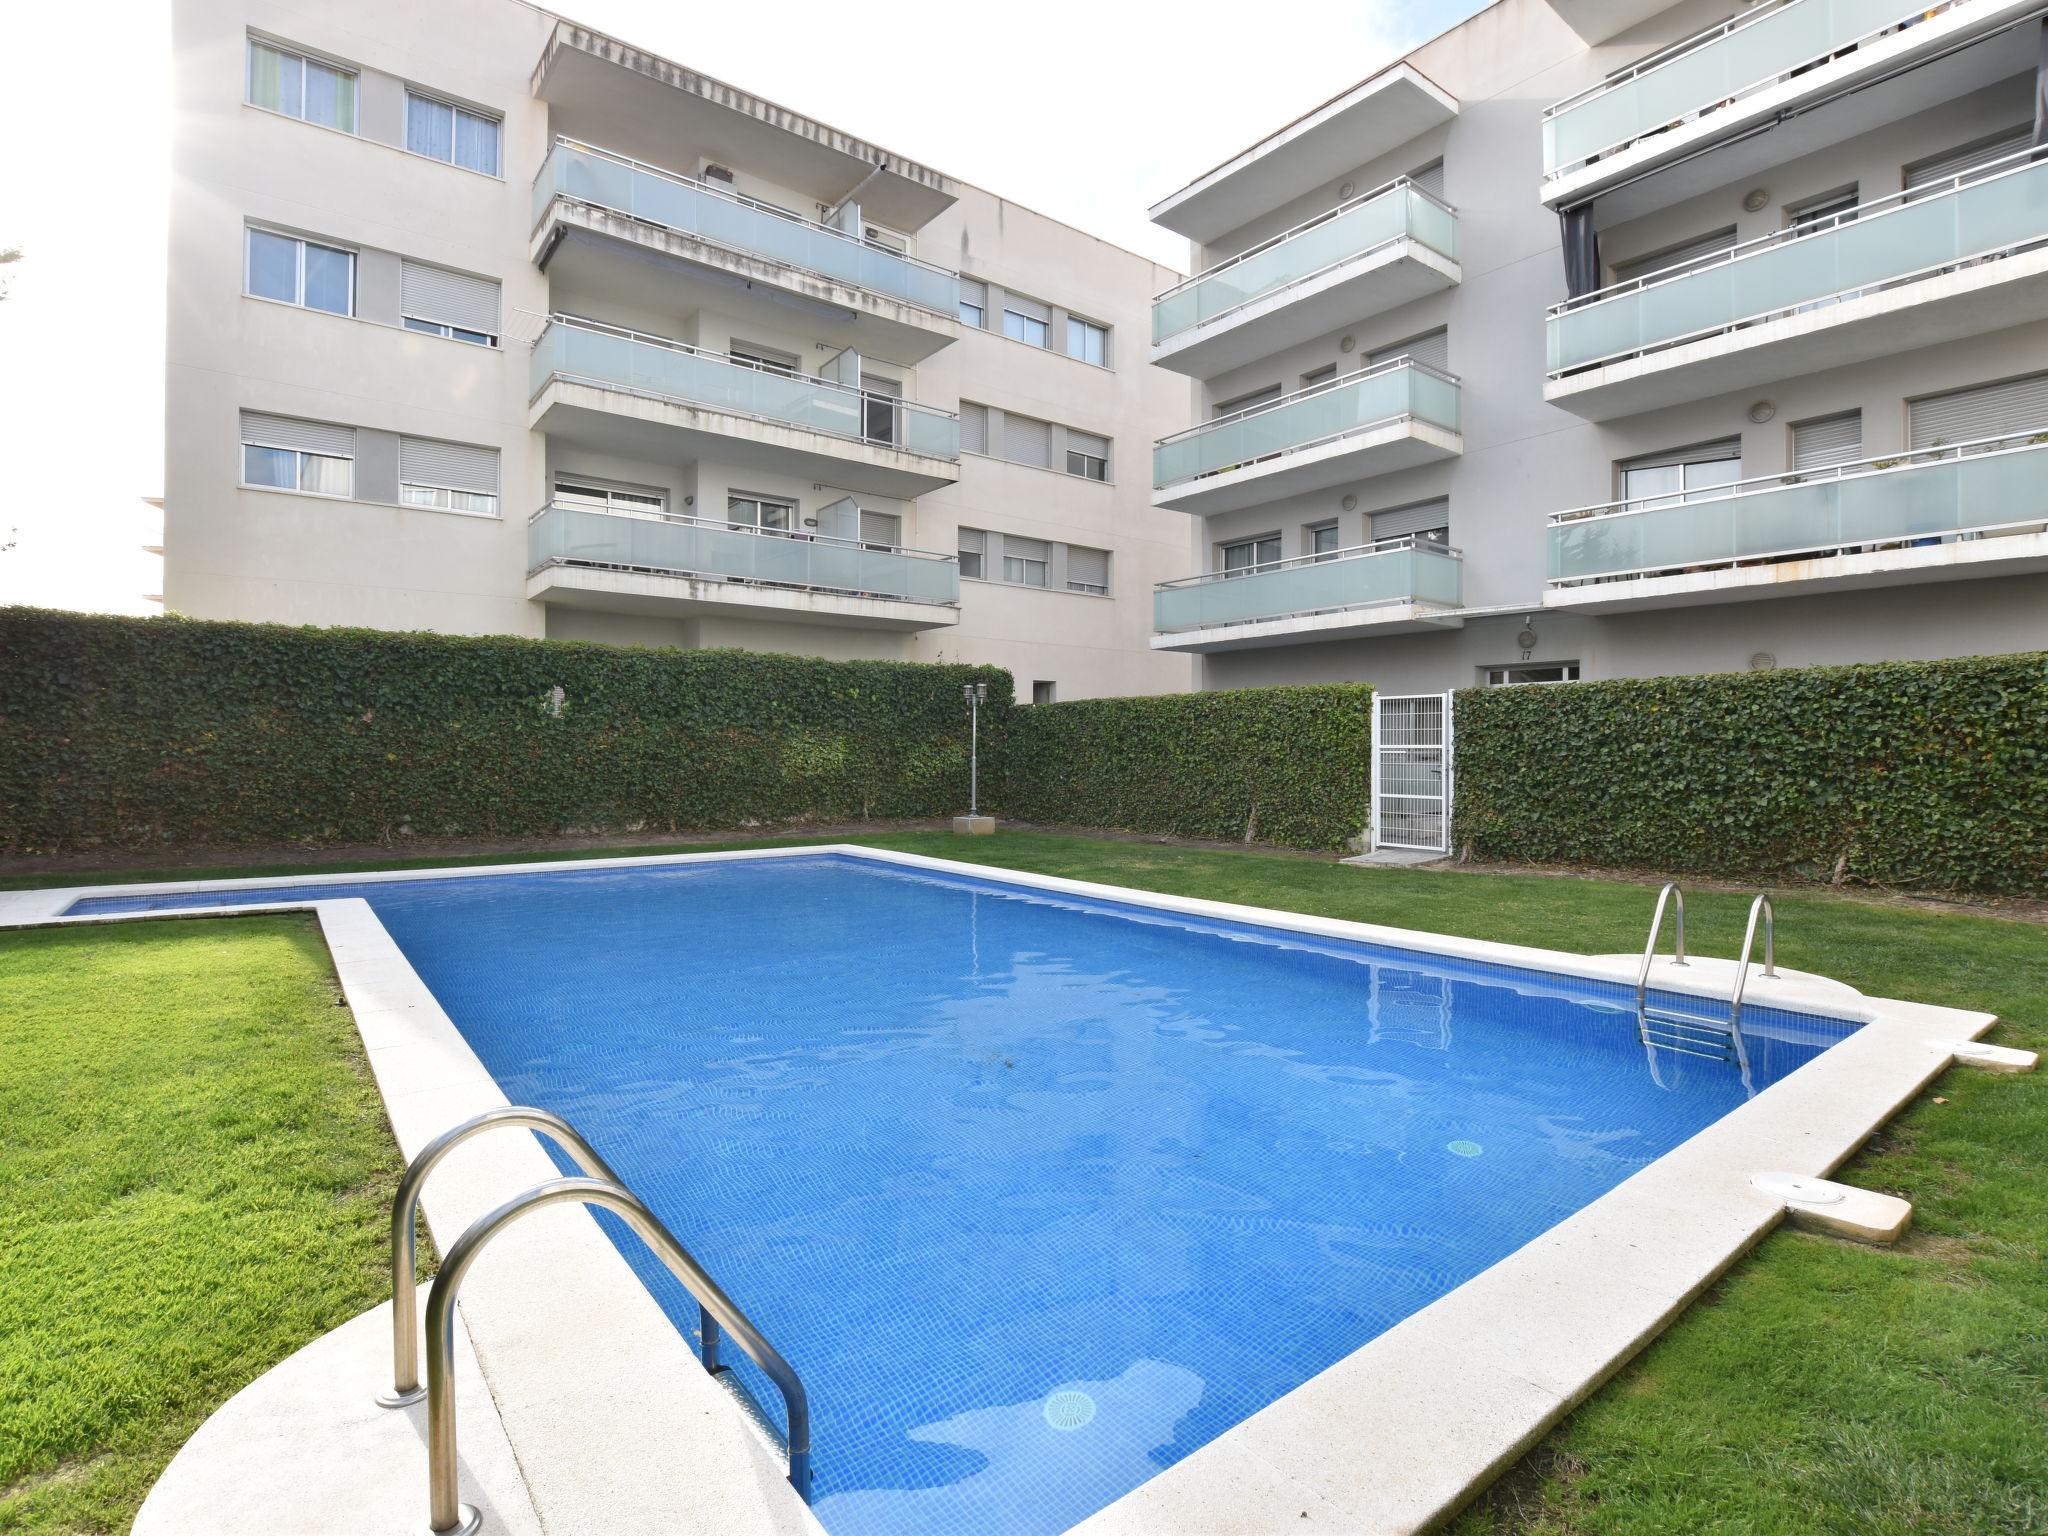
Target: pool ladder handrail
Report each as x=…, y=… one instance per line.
x=447, y=1514
x=1693, y=1034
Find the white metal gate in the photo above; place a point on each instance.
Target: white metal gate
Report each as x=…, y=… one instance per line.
x=1411, y=771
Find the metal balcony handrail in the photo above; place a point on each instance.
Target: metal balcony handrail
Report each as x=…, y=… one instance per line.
x=1876, y=208
x=1314, y=221
x=405, y=1205
x=1322, y=387
x=563, y=140
x=796, y=535
x=1391, y=545
x=669, y=343
x=1888, y=463
x=715, y=1310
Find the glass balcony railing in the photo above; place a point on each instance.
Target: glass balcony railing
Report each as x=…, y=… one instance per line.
x=1399, y=210
x=1714, y=70
x=606, y=355
x=1404, y=570
x=1977, y=489
x=591, y=175
x=1379, y=396
x=698, y=547
x=1979, y=215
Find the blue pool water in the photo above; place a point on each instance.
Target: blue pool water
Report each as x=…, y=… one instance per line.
x=1040, y=1194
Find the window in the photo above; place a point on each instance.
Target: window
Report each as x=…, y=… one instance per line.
x=1025, y=560
x=1664, y=480
x=1322, y=540
x=285, y=454
x=1988, y=410
x=1027, y=440
x=760, y=513
x=1937, y=174
x=973, y=427
x=879, y=408
x=1088, y=341
x=1242, y=555
x=1699, y=252
x=973, y=548
x=452, y=304
x=1432, y=350
x=1426, y=522
x=1818, y=210
x=455, y=134
x=1321, y=375
x=453, y=477
x=1430, y=178
x=973, y=303
x=1831, y=440
x=1043, y=692
x=594, y=496
x=885, y=239
x=1026, y=320
x=295, y=271
x=1250, y=402
x=748, y=355
x=881, y=530
x=309, y=89
x=1542, y=672
x=1087, y=455
x=1087, y=570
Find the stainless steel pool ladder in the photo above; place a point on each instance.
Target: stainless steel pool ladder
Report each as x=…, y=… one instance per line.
x=600, y=1187
x=1699, y=1034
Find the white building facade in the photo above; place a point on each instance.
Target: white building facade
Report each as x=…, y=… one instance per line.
x=1604, y=338
x=485, y=323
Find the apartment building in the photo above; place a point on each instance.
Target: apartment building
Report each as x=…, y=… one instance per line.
x=1604, y=338
x=484, y=322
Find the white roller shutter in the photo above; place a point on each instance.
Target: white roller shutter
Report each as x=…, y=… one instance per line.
x=453, y=466
x=1423, y=517
x=973, y=427
x=1027, y=441
x=1831, y=440
x=1016, y=304
x=1990, y=410
x=1955, y=162
x=1433, y=350
x=1691, y=253
x=304, y=436
x=451, y=298
x=1088, y=567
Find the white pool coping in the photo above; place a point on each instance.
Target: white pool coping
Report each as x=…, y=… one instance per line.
x=613, y=1422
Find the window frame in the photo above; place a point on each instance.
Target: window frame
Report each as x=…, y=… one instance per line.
x=300, y=242
x=298, y=487
x=450, y=493
x=1094, y=466
x=1088, y=329
x=761, y=503
x=592, y=489
x=421, y=326
x=1254, y=543
x=1044, y=341
x=300, y=56
x=1683, y=460
x=458, y=111
x=961, y=553
x=1499, y=676
x=1090, y=588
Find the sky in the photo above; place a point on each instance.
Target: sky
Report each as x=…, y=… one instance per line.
x=1100, y=111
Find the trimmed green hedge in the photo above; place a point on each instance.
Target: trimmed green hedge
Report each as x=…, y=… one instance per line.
x=143, y=732
x=1931, y=774
x=1274, y=765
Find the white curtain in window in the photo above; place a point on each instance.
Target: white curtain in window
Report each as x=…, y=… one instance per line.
x=330, y=96
x=429, y=127
x=476, y=142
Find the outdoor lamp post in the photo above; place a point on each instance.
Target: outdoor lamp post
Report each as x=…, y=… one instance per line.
x=974, y=824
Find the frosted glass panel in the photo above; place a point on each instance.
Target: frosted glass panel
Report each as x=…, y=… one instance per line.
x=1944, y=497
x=1356, y=581
x=574, y=536
x=650, y=368
x=1890, y=243
x=1375, y=398
x=675, y=204
x=1396, y=212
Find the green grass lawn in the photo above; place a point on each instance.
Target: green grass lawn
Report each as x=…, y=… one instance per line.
x=1822, y=1388
x=195, y=1175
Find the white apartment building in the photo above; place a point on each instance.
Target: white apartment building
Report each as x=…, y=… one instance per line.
x=483, y=322
x=1605, y=338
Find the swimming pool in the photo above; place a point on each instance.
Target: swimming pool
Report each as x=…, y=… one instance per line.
x=1039, y=1192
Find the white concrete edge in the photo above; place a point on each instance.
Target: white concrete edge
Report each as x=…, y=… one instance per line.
x=1393, y=1438
x=1204, y=495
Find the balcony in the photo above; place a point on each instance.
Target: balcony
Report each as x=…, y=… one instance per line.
x=1365, y=256
x=1392, y=416
x=1975, y=509
x=609, y=226
x=1814, y=72
x=1931, y=265
x=652, y=398
x=689, y=567
x=1396, y=586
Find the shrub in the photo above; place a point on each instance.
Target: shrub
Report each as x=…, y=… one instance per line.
x=1277, y=765
x=1903, y=773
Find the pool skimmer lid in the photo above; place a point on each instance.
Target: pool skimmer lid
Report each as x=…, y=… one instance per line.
x=1069, y=1409
x=1794, y=1190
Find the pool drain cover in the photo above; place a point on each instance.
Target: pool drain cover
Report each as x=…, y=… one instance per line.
x=1069, y=1409
x=1464, y=1148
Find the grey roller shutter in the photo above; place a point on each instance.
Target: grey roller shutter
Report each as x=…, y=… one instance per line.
x=1990, y=410
x=305, y=436
x=973, y=291
x=880, y=528
x=973, y=427
x=1016, y=304
x=453, y=466
x=1692, y=253
x=1087, y=442
x=1831, y=440
x=1955, y=162
x=1027, y=441
x=1015, y=548
x=1433, y=351
x=450, y=298
x=1430, y=178
x=1090, y=567
x=1421, y=518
